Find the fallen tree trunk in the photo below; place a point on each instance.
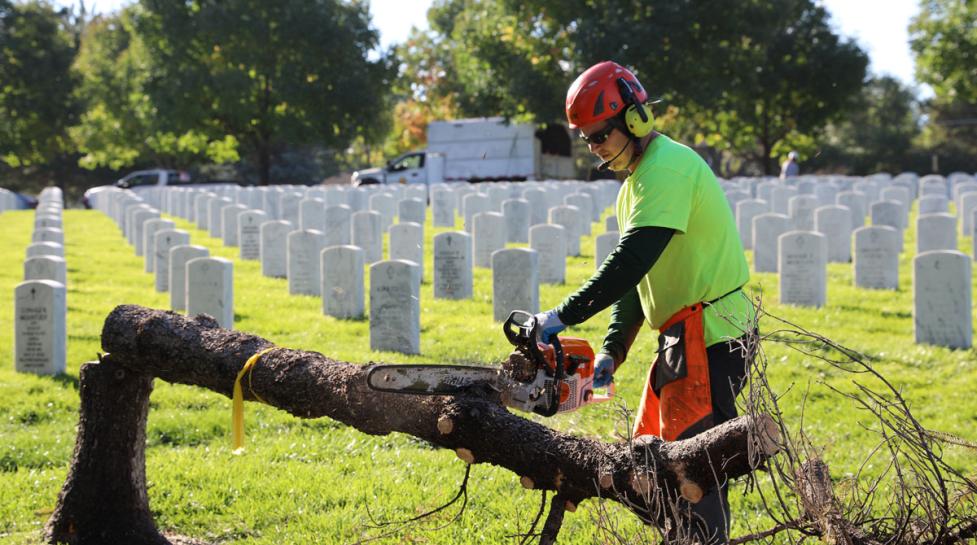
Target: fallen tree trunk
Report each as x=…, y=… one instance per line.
x=646, y=477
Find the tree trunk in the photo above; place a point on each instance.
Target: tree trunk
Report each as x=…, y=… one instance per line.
x=263, y=152
x=103, y=499
x=644, y=476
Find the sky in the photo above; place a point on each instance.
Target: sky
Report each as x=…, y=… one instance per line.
x=879, y=26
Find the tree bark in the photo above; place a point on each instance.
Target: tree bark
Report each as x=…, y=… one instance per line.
x=643, y=476
x=103, y=499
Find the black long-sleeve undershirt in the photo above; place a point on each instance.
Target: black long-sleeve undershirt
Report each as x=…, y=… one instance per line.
x=615, y=284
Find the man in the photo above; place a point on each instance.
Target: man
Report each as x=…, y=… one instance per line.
x=679, y=266
x=790, y=168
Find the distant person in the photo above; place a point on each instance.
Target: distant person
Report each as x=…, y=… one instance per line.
x=790, y=168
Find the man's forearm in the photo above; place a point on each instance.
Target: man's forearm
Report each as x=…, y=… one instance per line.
x=630, y=261
x=626, y=320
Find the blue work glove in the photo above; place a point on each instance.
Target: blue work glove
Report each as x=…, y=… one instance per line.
x=603, y=371
x=549, y=325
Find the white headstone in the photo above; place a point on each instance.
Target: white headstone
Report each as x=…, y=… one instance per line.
x=179, y=256
x=215, y=225
x=856, y=203
x=443, y=207
x=569, y=218
x=395, y=307
x=471, y=204
x=538, y=209
x=150, y=228
x=942, y=297
x=934, y=204
x=289, y=207
x=407, y=243
x=781, y=196
x=229, y=223
x=412, y=210
x=338, y=219
x=249, y=233
x=826, y=194
x=138, y=227
x=583, y=203
x=516, y=212
x=968, y=203
x=767, y=228
x=935, y=232
x=802, y=268
x=386, y=206
x=46, y=267
x=889, y=213
x=367, y=233
x=515, y=282
x=164, y=241
x=274, y=249
x=342, y=281
x=45, y=248
x=453, y=265
x=603, y=247
x=610, y=224
x=40, y=330
x=304, y=249
x=48, y=234
x=834, y=222
x=802, y=212
x=210, y=289
x=488, y=235
x=746, y=210
x=876, y=260
x=312, y=214
x=550, y=244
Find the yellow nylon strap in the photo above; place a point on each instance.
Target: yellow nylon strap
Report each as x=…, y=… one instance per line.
x=237, y=410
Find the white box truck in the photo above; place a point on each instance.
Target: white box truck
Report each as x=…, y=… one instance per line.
x=481, y=149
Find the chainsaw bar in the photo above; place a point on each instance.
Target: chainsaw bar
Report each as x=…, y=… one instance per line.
x=429, y=379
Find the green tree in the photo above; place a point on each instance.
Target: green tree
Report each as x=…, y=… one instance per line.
x=944, y=39
x=748, y=74
x=268, y=74
x=120, y=126
x=36, y=83
x=878, y=135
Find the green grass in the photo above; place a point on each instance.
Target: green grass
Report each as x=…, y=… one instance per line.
x=318, y=482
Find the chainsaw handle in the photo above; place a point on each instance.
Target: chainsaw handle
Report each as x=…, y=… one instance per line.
x=527, y=327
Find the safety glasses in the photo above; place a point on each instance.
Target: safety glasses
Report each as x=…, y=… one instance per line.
x=598, y=137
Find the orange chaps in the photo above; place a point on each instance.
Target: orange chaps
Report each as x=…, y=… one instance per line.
x=677, y=401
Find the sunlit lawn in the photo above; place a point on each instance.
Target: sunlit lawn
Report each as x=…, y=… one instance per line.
x=320, y=482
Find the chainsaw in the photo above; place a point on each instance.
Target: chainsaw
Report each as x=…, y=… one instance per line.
x=542, y=378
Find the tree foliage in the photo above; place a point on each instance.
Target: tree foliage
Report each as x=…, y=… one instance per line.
x=36, y=83
x=268, y=74
x=749, y=74
x=879, y=135
x=944, y=40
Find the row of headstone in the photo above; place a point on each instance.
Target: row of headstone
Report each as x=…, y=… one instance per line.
x=40, y=301
x=197, y=283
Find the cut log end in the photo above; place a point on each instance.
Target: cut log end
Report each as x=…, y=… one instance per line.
x=641, y=483
x=445, y=425
x=606, y=481
x=570, y=506
x=691, y=492
x=527, y=482
x=769, y=435
x=465, y=455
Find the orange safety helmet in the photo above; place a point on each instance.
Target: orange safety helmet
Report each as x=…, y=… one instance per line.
x=596, y=94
